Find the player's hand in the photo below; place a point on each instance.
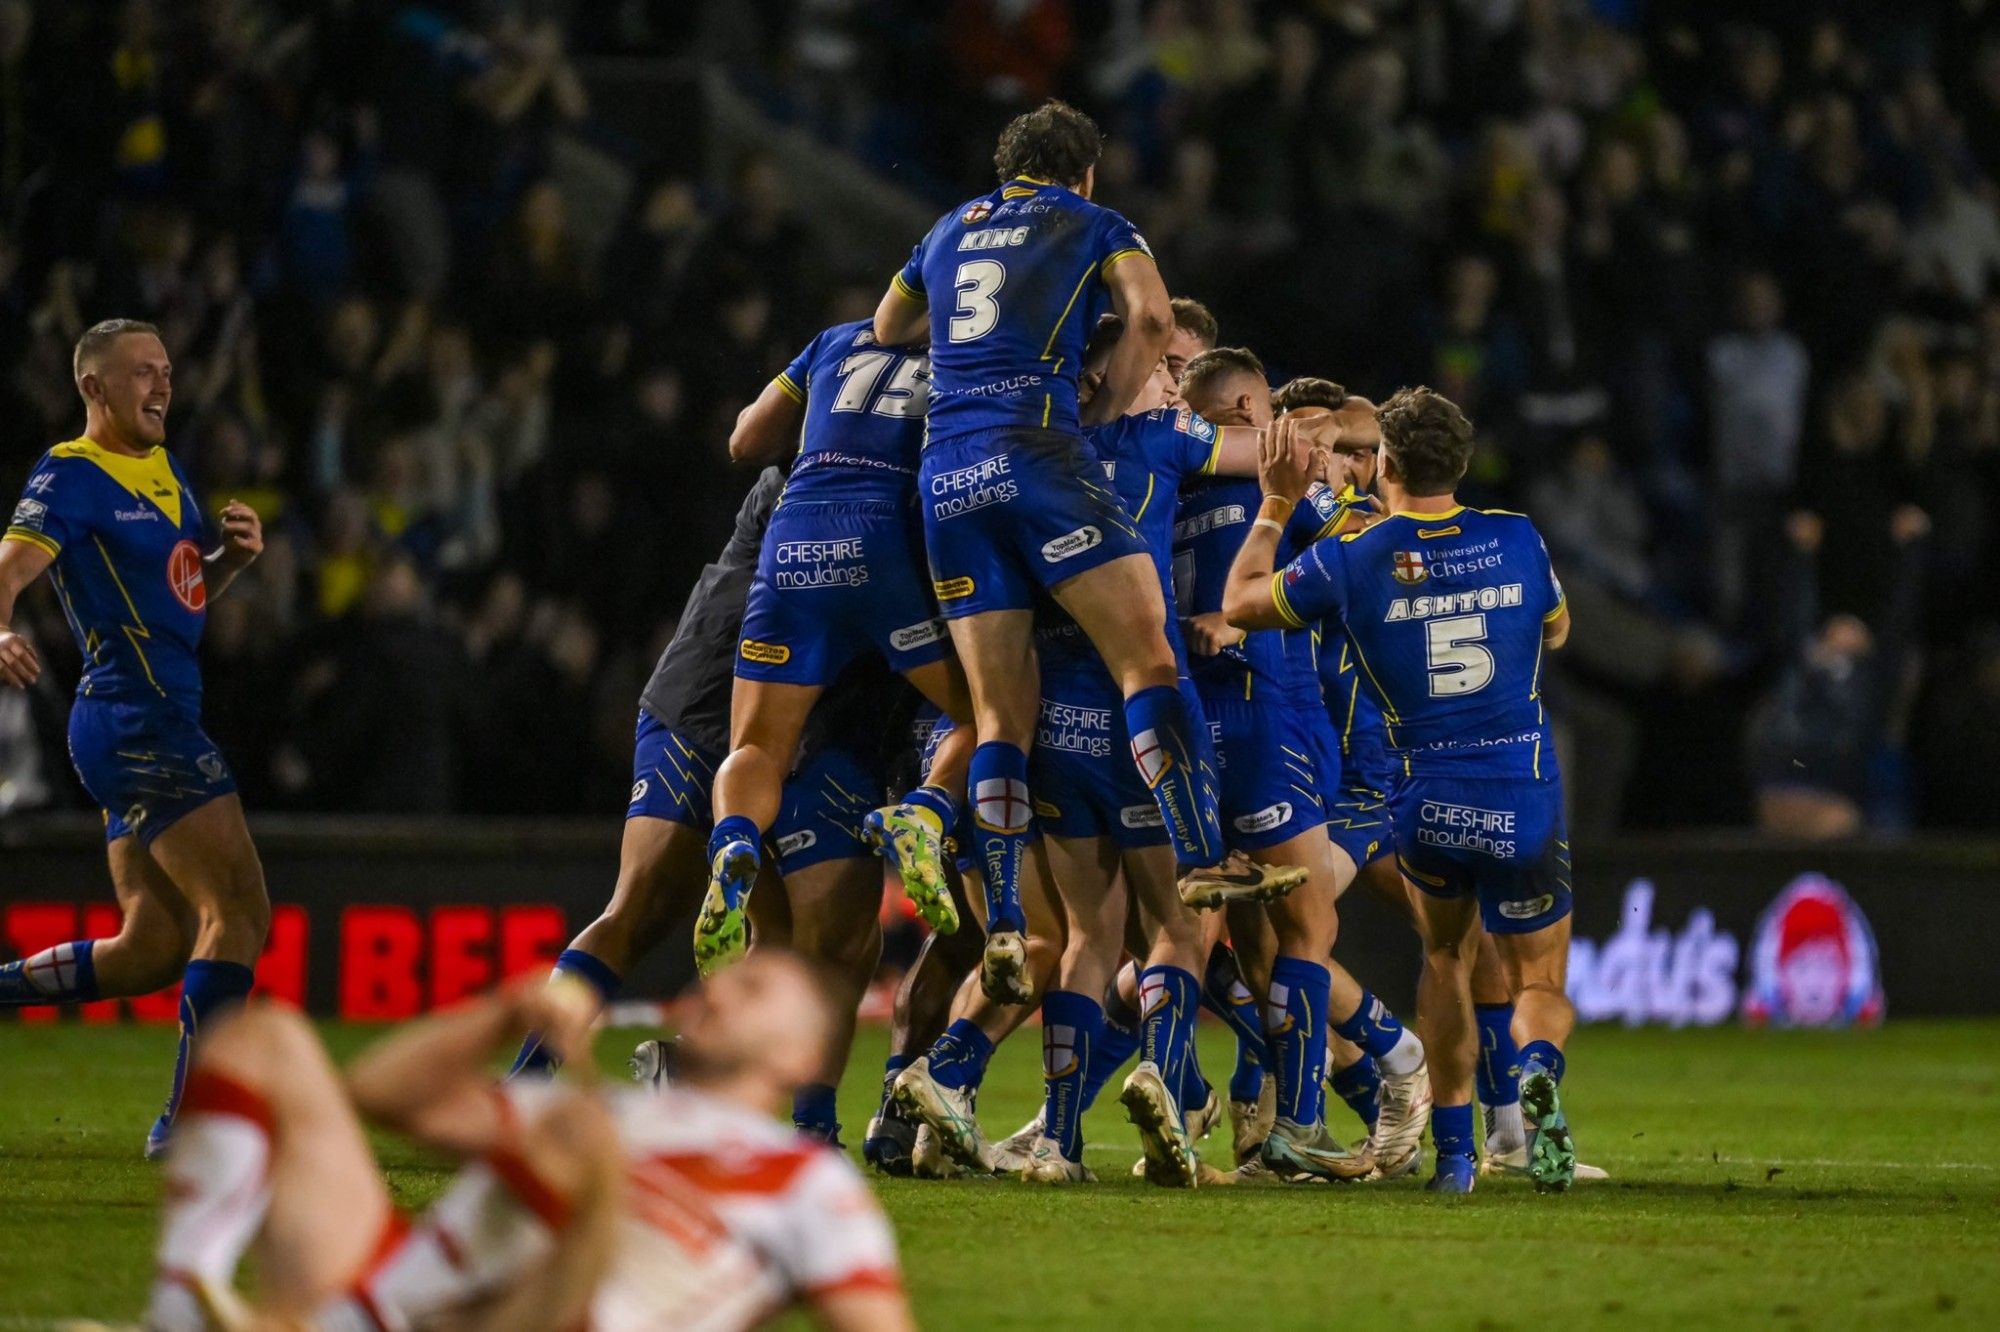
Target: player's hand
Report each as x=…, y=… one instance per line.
x=242, y=535
x=562, y=1011
x=1284, y=461
x=1319, y=429
x=19, y=666
x=1209, y=634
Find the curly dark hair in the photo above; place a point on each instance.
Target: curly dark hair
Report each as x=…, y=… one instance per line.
x=1194, y=317
x=1306, y=391
x=1055, y=141
x=1428, y=438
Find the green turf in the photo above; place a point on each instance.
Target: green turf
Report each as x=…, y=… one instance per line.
x=1795, y=1180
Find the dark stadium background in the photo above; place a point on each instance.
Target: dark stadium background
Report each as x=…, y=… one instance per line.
x=463, y=297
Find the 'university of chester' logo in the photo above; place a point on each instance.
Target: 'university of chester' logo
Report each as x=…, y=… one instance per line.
x=1409, y=568
x=184, y=576
x=976, y=213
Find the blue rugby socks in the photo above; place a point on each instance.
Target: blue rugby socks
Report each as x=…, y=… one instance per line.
x=736, y=828
x=208, y=988
x=1224, y=994
x=1117, y=1044
x=1169, y=999
x=1003, y=821
x=958, y=1059
x=814, y=1113
x=1451, y=1131
x=63, y=974
x=593, y=971
x=1295, y=1027
x=1071, y=1026
x=1375, y=1029
x=1157, y=720
x=1542, y=1057
x=1360, y=1085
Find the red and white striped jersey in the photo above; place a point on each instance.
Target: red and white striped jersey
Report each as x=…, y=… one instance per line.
x=730, y=1218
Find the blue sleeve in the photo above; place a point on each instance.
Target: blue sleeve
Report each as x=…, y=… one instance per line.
x=48, y=514
x=1550, y=586
x=1117, y=239
x=796, y=378
x=1309, y=588
x=1196, y=443
x=910, y=281
x=1315, y=517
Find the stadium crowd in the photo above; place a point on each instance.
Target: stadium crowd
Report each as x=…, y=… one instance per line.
x=1717, y=284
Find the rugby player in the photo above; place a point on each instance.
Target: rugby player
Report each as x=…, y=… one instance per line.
x=623, y=1209
x=109, y=515
x=1449, y=611
x=1007, y=287
x=839, y=575
x=831, y=878
x=1280, y=765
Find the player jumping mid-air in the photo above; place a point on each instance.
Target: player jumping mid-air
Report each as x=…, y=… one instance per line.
x=1449, y=611
x=134, y=561
x=1007, y=287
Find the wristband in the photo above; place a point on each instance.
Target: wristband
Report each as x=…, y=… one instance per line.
x=1271, y=523
x=1285, y=507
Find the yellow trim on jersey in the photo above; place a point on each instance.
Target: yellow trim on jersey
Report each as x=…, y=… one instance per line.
x=149, y=477
x=788, y=388
x=1012, y=192
x=1034, y=180
x=1561, y=606
x=906, y=289
x=31, y=538
x=137, y=629
x=1048, y=405
x=1283, y=603
x=1117, y=255
x=1389, y=717
x=1453, y=512
x=1150, y=478
x=1214, y=454
x=1063, y=318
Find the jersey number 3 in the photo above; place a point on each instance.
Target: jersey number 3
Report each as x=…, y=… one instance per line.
x=1456, y=662
x=978, y=281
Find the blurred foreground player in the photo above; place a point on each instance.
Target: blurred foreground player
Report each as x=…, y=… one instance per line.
x=628, y=1209
x=111, y=518
x=1449, y=611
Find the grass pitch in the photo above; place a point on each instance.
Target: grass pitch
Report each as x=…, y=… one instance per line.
x=1775, y=1179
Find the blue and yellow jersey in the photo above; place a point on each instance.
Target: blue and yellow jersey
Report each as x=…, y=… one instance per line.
x=1444, y=613
x=864, y=416
x=1213, y=519
x=127, y=537
x=1147, y=458
x=1015, y=283
x=1364, y=743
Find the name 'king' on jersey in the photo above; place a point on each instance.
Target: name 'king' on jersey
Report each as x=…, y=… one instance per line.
x=1014, y=280
x=1445, y=613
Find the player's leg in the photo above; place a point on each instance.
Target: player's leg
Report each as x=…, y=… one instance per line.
x=941, y=1086
x=1166, y=1096
x=155, y=937
x=1237, y=972
x=997, y=651
x=662, y=865
x=1536, y=966
x=1449, y=925
x=1085, y=870
x=268, y=1149
x=918, y=1016
x=1497, y=1077
x=910, y=833
x=766, y=719
x=208, y=856
x=1120, y=606
x=836, y=922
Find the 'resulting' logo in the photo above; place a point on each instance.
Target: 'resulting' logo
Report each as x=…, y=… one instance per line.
x=1813, y=962
x=184, y=576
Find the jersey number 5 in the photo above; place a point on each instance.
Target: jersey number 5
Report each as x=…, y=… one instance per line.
x=1456, y=662
x=978, y=281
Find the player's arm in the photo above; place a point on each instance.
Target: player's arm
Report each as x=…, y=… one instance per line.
x=768, y=429
x=1140, y=299
x=1251, y=595
x=430, y=1080
x=242, y=543
x=21, y=562
x=1555, y=627
x=905, y=312
x=860, y=1309
x=1238, y=447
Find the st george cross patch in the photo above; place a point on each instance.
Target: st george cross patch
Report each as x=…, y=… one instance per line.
x=1409, y=568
